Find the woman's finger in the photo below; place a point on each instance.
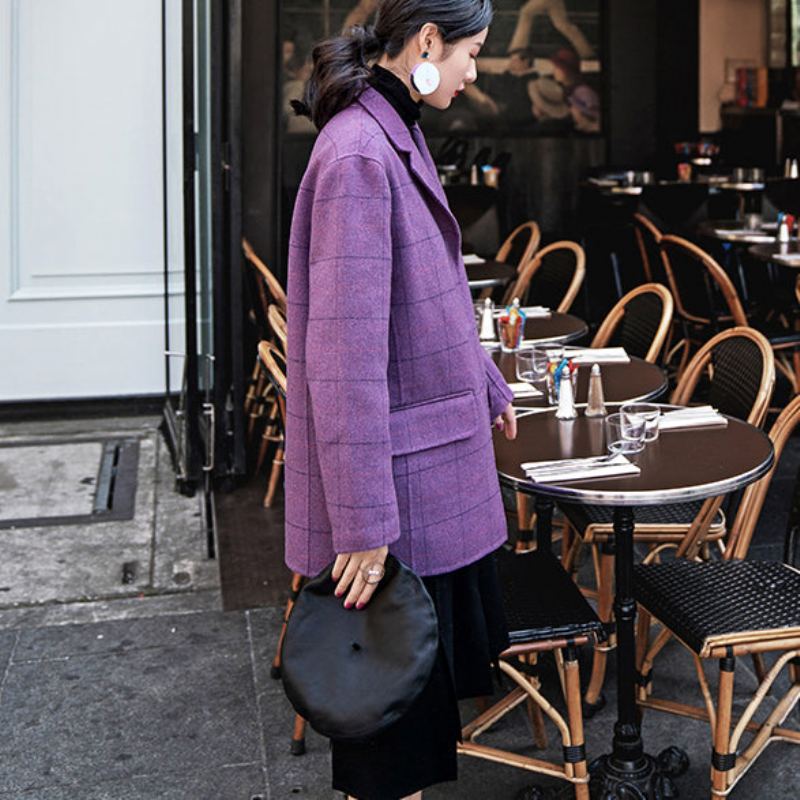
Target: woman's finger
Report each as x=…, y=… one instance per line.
x=339, y=565
x=366, y=594
x=511, y=424
x=350, y=572
x=356, y=589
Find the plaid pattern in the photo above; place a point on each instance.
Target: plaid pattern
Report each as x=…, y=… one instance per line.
x=390, y=395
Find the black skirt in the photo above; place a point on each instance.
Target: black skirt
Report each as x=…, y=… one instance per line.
x=419, y=750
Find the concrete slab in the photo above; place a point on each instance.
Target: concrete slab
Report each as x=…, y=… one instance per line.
x=163, y=709
x=234, y=782
x=140, y=605
x=56, y=480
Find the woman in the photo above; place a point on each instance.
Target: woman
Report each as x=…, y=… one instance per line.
x=388, y=440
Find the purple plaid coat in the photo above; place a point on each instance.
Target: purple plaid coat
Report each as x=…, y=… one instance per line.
x=391, y=397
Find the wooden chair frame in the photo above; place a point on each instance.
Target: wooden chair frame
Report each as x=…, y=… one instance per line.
x=527, y=689
x=277, y=321
x=269, y=355
x=520, y=286
x=643, y=227
x=709, y=524
x=530, y=248
x=617, y=314
x=727, y=647
x=690, y=322
x=270, y=434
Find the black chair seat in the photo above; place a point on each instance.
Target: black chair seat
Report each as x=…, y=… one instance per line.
x=541, y=601
x=704, y=602
x=581, y=517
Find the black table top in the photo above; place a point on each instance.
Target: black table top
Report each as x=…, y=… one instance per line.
x=637, y=380
x=682, y=465
x=490, y=273
x=774, y=252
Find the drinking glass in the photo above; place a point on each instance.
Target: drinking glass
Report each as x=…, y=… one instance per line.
x=510, y=334
x=532, y=366
x=647, y=411
x=624, y=434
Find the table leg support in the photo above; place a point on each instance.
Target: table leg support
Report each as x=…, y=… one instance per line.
x=628, y=773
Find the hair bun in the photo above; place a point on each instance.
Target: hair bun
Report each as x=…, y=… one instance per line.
x=368, y=41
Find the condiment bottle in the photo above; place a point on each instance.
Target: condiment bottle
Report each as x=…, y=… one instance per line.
x=566, y=399
x=487, y=329
x=595, y=405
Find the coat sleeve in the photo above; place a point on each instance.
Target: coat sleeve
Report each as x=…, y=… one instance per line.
x=347, y=350
x=500, y=395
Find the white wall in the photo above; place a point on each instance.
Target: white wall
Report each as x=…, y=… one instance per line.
x=81, y=225
x=728, y=29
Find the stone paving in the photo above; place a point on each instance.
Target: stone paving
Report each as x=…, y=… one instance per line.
x=148, y=691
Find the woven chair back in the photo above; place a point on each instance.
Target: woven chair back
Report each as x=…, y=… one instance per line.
x=734, y=372
x=639, y=322
x=520, y=245
x=744, y=524
x=552, y=278
x=702, y=290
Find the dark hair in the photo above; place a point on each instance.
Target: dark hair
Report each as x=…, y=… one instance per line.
x=342, y=64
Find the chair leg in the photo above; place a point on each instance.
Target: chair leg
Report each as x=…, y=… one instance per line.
x=722, y=731
x=524, y=523
x=572, y=693
x=274, y=477
x=294, y=590
x=298, y=745
x=605, y=587
x=535, y=714
x=268, y=435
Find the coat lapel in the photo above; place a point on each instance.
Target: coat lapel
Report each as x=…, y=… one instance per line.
x=411, y=143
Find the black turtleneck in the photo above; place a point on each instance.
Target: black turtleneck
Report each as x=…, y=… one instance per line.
x=396, y=92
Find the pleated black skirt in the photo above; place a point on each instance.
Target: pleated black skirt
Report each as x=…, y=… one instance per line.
x=419, y=750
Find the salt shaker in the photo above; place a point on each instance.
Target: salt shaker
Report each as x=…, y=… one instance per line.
x=566, y=400
x=487, y=329
x=783, y=228
x=595, y=406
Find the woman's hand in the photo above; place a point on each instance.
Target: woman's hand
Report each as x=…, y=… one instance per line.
x=353, y=570
x=507, y=422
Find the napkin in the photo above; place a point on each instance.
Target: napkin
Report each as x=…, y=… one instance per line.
x=787, y=258
x=576, y=469
x=530, y=311
x=522, y=390
x=597, y=355
x=473, y=258
x=751, y=236
x=697, y=417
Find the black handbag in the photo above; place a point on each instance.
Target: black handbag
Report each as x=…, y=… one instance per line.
x=352, y=673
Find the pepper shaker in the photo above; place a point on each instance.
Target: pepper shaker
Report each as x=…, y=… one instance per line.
x=595, y=405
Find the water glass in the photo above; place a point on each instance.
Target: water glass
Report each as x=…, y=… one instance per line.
x=624, y=434
x=532, y=366
x=647, y=411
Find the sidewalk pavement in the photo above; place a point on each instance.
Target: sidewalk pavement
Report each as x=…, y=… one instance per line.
x=146, y=690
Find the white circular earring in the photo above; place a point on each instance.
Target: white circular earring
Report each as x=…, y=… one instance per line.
x=425, y=77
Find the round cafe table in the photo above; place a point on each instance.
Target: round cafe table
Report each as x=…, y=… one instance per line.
x=489, y=273
x=787, y=254
x=682, y=465
x=637, y=380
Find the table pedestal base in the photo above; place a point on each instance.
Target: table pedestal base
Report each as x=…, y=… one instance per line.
x=646, y=778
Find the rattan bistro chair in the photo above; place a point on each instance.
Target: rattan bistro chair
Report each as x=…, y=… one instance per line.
x=734, y=372
x=259, y=395
x=722, y=610
x=704, y=295
x=648, y=238
x=273, y=362
x=552, y=278
x=520, y=244
x=271, y=433
x=639, y=322
x=545, y=612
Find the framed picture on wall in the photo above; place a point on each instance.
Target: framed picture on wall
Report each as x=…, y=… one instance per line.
x=540, y=71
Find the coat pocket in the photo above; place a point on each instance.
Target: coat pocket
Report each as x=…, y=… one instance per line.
x=434, y=423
